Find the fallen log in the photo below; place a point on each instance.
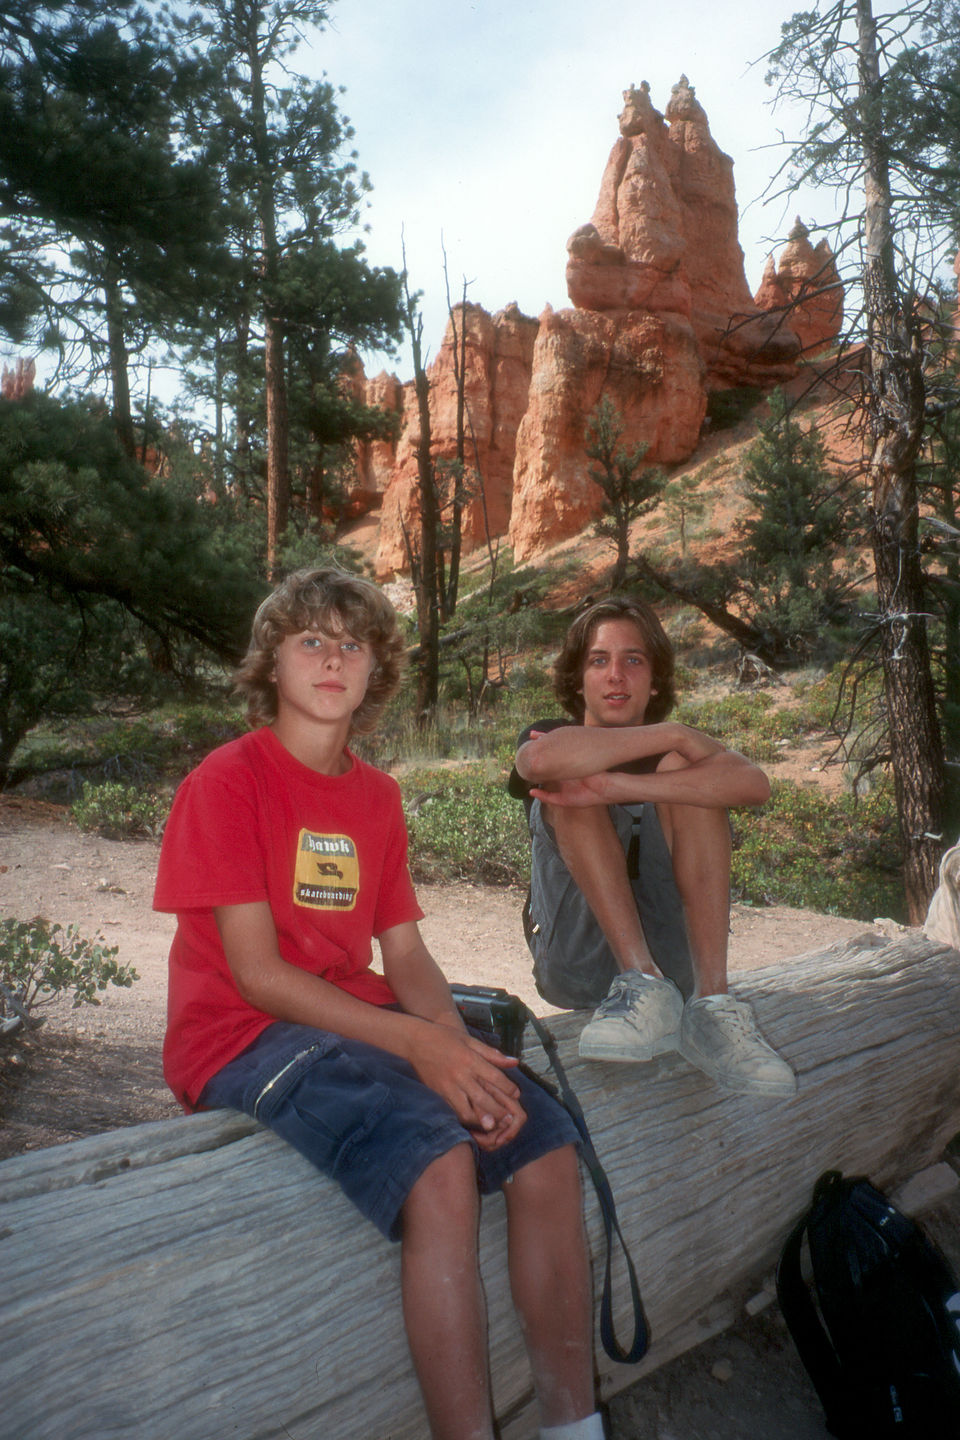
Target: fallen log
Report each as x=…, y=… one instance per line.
x=195, y=1278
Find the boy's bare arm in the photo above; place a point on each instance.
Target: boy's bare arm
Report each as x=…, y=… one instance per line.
x=470, y=1076
x=576, y=750
x=695, y=769
x=722, y=782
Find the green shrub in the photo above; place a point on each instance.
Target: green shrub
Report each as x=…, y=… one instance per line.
x=120, y=811
x=836, y=855
x=40, y=962
x=464, y=826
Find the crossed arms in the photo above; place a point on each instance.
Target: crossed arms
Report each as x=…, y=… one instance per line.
x=573, y=766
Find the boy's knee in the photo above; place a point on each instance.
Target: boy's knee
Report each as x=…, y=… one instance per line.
x=445, y=1191
x=547, y=1179
x=687, y=825
x=575, y=827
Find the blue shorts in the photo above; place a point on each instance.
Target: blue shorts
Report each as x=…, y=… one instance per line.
x=361, y=1116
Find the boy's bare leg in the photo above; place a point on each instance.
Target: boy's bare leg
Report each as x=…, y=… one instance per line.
x=592, y=852
x=550, y=1283
x=699, y=843
x=444, y=1309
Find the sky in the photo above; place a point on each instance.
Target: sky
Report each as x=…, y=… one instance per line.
x=485, y=125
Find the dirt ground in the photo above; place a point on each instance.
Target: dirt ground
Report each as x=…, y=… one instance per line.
x=94, y=1069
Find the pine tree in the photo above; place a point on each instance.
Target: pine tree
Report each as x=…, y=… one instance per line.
x=630, y=488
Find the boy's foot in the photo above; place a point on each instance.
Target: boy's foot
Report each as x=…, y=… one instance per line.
x=719, y=1035
x=638, y=1018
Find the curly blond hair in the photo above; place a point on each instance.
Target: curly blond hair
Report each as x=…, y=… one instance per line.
x=333, y=601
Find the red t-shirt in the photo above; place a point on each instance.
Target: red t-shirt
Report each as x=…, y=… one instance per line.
x=328, y=854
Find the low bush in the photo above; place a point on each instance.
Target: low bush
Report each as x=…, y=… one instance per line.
x=750, y=722
x=121, y=812
x=39, y=962
x=838, y=855
x=464, y=826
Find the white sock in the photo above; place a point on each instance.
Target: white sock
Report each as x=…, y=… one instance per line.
x=590, y=1428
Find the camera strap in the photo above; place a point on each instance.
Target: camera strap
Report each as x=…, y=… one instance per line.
x=625, y=1355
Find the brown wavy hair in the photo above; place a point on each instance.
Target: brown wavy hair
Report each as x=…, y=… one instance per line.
x=330, y=600
x=571, y=662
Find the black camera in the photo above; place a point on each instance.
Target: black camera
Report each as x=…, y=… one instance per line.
x=500, y=1017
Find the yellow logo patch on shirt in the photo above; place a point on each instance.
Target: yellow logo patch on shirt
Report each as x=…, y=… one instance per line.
x=327, y=875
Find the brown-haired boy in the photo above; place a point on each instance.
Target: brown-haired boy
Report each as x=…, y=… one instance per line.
x=629, y=906
x=283, y=857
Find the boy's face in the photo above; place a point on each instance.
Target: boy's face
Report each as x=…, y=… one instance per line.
x=617, y=675
x=321, y=677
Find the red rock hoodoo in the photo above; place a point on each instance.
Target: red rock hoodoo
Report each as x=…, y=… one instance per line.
x=805, y=288
x=663, y=314
x=17, y=381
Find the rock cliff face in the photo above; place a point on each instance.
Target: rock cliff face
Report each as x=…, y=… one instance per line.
x=650, y=367
x=374, y=460
x=804, y=287
x=498, y=355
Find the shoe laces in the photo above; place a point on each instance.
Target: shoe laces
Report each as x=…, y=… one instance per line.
x=618, y=999
x=737, y=1017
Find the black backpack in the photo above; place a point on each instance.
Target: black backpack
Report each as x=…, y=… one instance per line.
x=879, y=1333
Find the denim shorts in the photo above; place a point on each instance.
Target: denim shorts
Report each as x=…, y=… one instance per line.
x=361, y=1116
x=573, y=965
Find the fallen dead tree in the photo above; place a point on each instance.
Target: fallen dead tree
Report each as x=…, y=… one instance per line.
x=196, y=1279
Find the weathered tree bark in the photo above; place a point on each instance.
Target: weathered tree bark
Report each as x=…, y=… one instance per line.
x=198, y=1279
x=894, y=404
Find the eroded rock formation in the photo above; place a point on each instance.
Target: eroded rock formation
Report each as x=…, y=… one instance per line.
x=803, y=286
x=497, y=365
x=663, y=238
x=648, y=364
x=374, y=460
x=17, y=381
x=662, y=314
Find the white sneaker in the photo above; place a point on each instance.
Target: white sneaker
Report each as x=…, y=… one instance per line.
x=719, y=1035
x=638, y=1018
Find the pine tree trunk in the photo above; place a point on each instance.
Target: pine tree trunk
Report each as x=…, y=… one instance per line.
x=119, y=377
x=428, y=618
x=278, y=469
x=894, y=406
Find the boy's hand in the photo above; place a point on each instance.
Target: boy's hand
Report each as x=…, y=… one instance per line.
x=589, y=790
x=472, y=1078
